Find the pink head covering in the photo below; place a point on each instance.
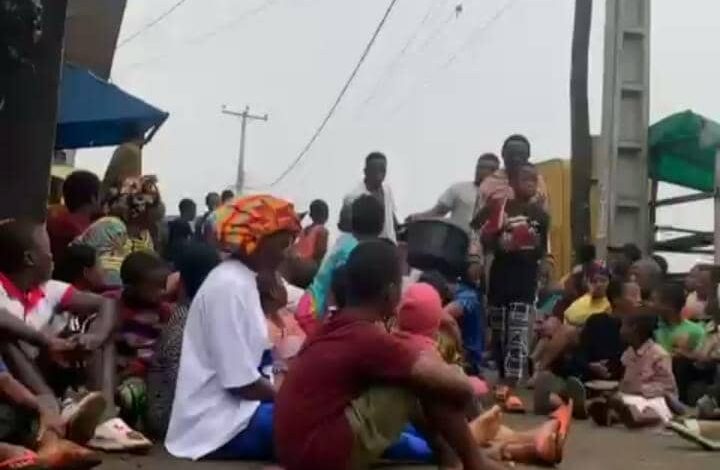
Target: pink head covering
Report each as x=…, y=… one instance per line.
x=420, y=311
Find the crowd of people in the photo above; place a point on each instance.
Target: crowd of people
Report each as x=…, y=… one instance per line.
x=243, y=333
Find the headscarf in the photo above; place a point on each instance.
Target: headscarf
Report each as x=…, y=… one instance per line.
x=135, y=196
x=419, y=316
x=243, y=223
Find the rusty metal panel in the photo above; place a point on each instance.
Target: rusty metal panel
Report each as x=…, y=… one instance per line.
x=91, y=32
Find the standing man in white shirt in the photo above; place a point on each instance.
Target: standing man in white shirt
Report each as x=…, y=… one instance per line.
x=374, y=184
x=461, y=200
x=224, y=393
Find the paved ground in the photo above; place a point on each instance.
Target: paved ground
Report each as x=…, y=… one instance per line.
x=589, y=448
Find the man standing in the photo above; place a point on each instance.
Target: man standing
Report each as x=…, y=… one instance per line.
x=81, y=194
x=374, y=184
x=180, y=230
x=212, y=201
x=461, y=199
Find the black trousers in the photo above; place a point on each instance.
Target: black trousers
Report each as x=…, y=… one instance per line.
x=692, y=380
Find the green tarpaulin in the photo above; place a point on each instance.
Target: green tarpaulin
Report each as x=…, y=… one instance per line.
x=682, y=150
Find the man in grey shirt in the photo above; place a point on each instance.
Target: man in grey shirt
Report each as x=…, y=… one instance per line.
x=461, y=199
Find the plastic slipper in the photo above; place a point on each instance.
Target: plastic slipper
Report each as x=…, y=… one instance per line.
x=577, y=394
x=602, y=385
x=62, y=454
x=689, y=430
x=84, y=416
x=549, y=443
x=564, y=416
x=28, y=460
x=116, y=436
x=513, y=404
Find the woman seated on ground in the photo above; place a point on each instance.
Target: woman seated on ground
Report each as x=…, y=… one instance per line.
x=133, y=210
x=571, y=359
x=194, y=263
x=647, y=390
x=418, y=322
x=595, y=301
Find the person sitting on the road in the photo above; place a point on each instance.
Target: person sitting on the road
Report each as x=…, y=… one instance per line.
x=648, y=386
x=194, y=264
x=682, y=339
x=595, y=301
x=223, y=397
x=28, y=294
x=418, y=322
x=353, y=387
x=366, y=221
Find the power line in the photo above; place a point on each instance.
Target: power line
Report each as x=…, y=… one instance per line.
x=335, y=105
x=202, y=38
x=484, y=27
x=390, y=69
x=151, y=24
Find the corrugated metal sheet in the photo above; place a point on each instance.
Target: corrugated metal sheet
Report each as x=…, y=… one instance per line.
x=91, y=32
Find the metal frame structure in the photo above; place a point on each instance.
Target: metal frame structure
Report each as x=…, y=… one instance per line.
x=624, y=214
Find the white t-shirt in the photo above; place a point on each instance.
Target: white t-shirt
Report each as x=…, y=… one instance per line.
x=462, y=200
x=223, y=344
x=41, y=307
x=390, y=209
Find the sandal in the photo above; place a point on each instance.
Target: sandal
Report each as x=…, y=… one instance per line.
x=116, y=436
x=27, y=460
x=689, y=430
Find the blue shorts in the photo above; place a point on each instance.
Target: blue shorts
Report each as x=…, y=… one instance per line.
x=256, y=442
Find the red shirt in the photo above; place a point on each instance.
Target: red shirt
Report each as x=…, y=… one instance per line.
x=340, y=362
x=63, y=227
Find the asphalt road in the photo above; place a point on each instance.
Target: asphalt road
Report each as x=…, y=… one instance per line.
x=588, y=448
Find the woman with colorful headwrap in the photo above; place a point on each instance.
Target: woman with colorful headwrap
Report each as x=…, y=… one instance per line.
x=223, y=397
x=133, y=209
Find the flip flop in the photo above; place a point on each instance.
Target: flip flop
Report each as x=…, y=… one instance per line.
x=577, y=394
x=549, y=443
x=689, y=430
x=116, y=436
x=28, y=460
x=564, y=416
x=84, y=416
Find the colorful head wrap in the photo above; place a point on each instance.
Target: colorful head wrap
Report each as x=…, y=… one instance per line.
x=136, y=195
x=244, y=222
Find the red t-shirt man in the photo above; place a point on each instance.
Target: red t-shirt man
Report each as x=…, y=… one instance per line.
x=63, y=227
x=344, y=359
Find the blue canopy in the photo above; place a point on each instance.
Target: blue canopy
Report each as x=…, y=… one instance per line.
x=95, y=113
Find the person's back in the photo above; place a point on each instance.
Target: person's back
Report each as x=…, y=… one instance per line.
x=336, y=365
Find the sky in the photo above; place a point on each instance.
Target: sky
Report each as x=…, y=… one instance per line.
x=437, y=89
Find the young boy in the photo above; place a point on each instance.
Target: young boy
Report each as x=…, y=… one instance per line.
x=312, y=243
x=351, y=389
x=681, y=338
x=142, y=311
x=595, y=301
x=648, y=384
x=468, y=310
x=79, y=266
x=516, y=231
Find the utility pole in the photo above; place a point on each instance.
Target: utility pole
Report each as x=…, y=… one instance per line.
x=581, y=141
x=28, y=116
x=245, y=115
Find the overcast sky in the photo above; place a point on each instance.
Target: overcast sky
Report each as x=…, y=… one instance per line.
x=430, y=115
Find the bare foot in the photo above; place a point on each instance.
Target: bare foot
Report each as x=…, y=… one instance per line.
x=485, y=427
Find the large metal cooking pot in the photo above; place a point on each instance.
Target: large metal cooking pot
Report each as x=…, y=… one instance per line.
x=437, y=245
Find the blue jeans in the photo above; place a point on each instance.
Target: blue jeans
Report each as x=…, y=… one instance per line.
x=256, y=442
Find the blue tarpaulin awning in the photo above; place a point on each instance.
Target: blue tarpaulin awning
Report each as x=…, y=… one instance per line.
x=95, y=113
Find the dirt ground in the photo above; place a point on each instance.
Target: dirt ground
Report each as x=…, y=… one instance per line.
x=588, y=448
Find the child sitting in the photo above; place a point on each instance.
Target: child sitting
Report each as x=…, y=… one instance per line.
x=79, y=265
x=418, y=322
x=648, y=385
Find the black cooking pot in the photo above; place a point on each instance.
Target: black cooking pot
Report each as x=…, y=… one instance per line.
x=437, y=245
